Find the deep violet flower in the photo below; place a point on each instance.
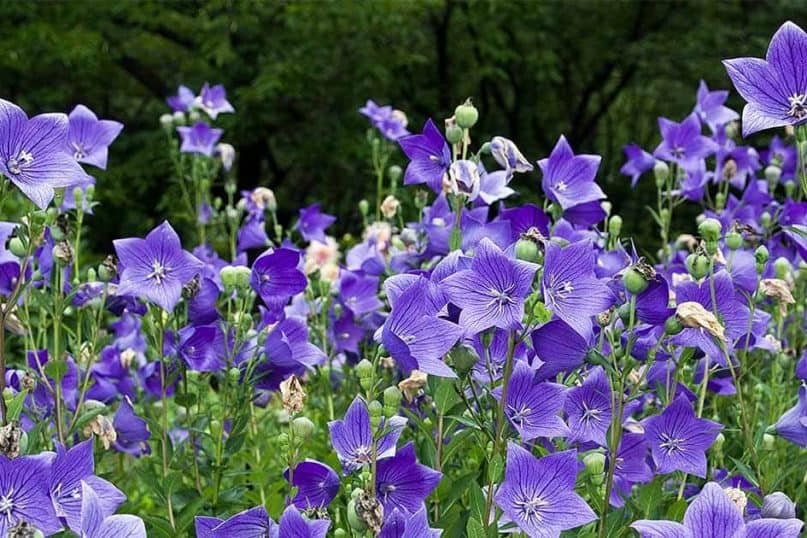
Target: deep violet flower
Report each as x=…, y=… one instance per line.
x=312, y=223
x=96, y=523
x=711, y=109
x=24, y=494
x=316, y=483
x=252, y=523
x=538, y=494
x=429, y=157
x=201, y=138
x=288, y=351
x=775, y=88
x=294, y=525
x=403, y=483
x=33, y=153
x=571, y=290
x=156, y=267
x=588, y=407
x=631, y=467
x=713, y=515
x=133, y=431
x=352, y=437
x=559, y=347
x=71, y=469
x=639, y=162
x=197, y=347
x=413, y=333
x=508, y=156
x=213, y=100
x=533, y=406
x=182, y=101
x=793, y=424
x=683, y=143
x=358, y=292
x=276, y=276
x=390, y=123
x=492, y=292
x=568, y=179
x=679, y=440
x=88, y=138
x=401, y=524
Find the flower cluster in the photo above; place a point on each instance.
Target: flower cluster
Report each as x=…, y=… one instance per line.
x=465, y=364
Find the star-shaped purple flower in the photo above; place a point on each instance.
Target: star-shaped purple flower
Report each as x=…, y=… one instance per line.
x=683, y=143
x=312, y=223
x=639, y=162
x=276, y=276
x=133, y=431
x=793, y=424
x=96, y=523
x=213, y=100
x=588, y=407
x=713, y=515
x=568, y=178
x=33, y=153
x=88, y=138
x=538, y=494
x=316, y=483
x=679, y=440
x=156, y=267
x=532, y=406
x=201, y=138
x=24, y=494
x=403, y=483
x=492, y=292
x=182, y=101
x=775, y=88
x=711, y=108
x=429, y=157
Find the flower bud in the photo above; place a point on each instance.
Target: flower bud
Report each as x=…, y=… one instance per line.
x=392, y=400
x=229, y=277
x=364, y=369
x=734, y=240
x=720, y=201
x=376, y=411
x=234, y=374
x=364, y=207
x=395, y=173
x=761, y=256
x=595, y=466
x=179, y=118
x=17, y=247
x=466, y=115
x=454, y=134
x=768, y=441
x=463, y=359
x=302, y=427
x=167, y=121
x=765, y=219
x=527, y=250
x=710, y=229
x=790, y=188
x=697, y=265
x=777, y=505
x=339, y=533
x=615, y=226
x=781, y=267
x=717, y=446
x=661, y=172
x=673, y=326
x=773, y=173
x=634, y=281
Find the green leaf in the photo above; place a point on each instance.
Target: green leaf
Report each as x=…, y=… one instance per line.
x=185, y=399
x=476, y=501
x=15, y=407
x=445, y=396
x=56, y=370
x=474, y=529
x=159, y=526
x=541, y=313
x=496, y=469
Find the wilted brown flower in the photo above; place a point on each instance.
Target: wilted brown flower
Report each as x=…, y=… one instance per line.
x=371, y=511
x=779, y=290
x=389, y=207
x=10, y=436
x=292, y=395
x=412, y=384
x=102, y=427
x=695, y=316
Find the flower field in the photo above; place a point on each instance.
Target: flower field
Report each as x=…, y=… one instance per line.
x=464, y=363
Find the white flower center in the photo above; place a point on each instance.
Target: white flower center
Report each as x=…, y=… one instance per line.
x=531, y=508
x=671, y=444
x=19, y=162
x=798, y=106
x=79, y=151
x=159, y=272
x=7, y=505
x=561, y=186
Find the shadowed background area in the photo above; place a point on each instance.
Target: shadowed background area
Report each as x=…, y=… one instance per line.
x=296, y=72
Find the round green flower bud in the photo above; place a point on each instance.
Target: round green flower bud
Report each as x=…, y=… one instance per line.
x=768, y=441
x=661, y=171
x=454, y=134
x=302, y=427
x=761, y=254
x=710, y=229
x=773, y=173
x=720, y=201
x=734, y=240
x=595, y=463
x=463, y=359
x=527, y=250
x=395, y=172
x=92, y=275
x=790, y=188
x=673, y=326
x=242, y=275
x=615, y=225
x=339, y=533
x=782, y=268
x=376, y=411
x=364, y=207
x=364, y=369
x=624, y=313
x=717, y=446
x=664, y=214
x=356, y=522
x=466, y=115
x=234, y=374
x=17, y=247
x=392, y=397
x=229, y=277
x=697, y=265
x=485, y=149
x=167, y=121
x=634, y=281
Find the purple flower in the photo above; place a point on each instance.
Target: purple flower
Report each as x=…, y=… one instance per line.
x=276, y=276
x=252, y=523
x=711, y=109
x=352, y=437
x=679, y=440
x=214, y=100
x=24, y=494
x=538, y=494
x=312, y=223
x=97, y=523
x=200, y=138
x=156, y=267
x=133, y=431
x=793, y=424
x=775, y=88
x=294, y=525
x=631, y=467
x=571, y=290
x=197, y=347
x=508, y=156
x=288, y=351
x=683, y=143
x=429, y=157
x=559, y=347
x=391, y=123
x=493, y=186
x=316, y=483
x=401, y=524
x=533, y=406
x=182, y=101
x=88, y=138
x=588, y=407
x=492, y=292
x=713, y=515
x=358, y=292
x=33, y=153
x=72, y=469
x=403, y=483
x=639, y=162
x=413, y=333
x=568, y=178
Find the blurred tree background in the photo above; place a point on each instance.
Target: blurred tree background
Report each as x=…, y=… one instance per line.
x=600, y=72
